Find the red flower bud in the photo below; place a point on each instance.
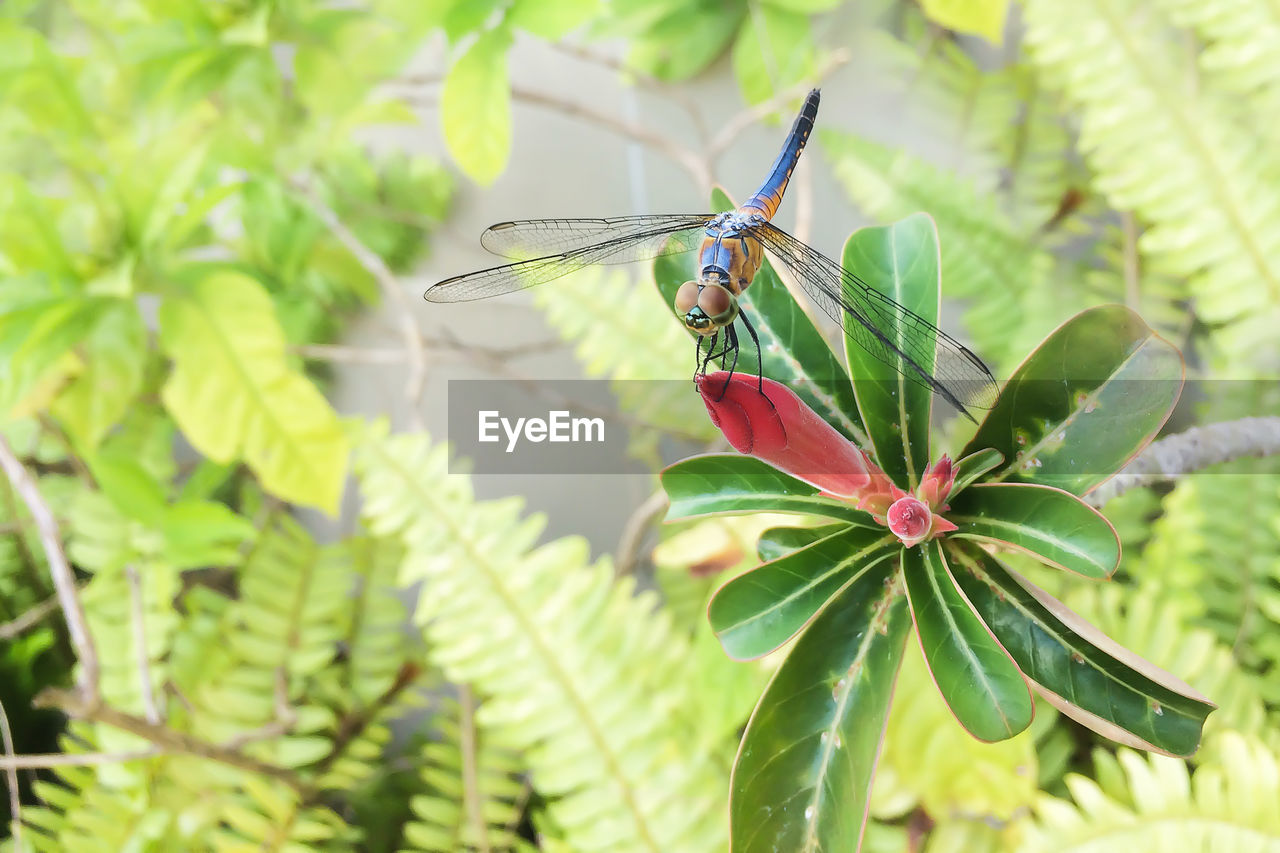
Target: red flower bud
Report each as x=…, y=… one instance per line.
x=909, y=519
x=779, y=428
x=912, y=522
x=937, y=483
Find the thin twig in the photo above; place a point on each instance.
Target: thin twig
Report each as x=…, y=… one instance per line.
x=730, y=129
x=633, y=531
x=469, y=747
x=42, y=761
x=167, y=739
x=397, y=355
x=1132, y=291
x=137, y=616
x=692, y=163
x=28, y=620
x=1193, y=450
x=390, y=285
x=11, y=776
x=63, y=579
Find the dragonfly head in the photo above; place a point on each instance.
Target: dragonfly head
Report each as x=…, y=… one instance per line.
x=707, y=307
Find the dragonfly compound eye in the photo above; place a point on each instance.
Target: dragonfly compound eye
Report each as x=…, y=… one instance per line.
x=686, y=297
x=718, y=304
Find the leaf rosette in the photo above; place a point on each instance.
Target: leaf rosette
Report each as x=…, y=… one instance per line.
x=907, y=540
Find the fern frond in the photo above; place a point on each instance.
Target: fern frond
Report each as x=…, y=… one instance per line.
x=1214, y=551
x=1237, y=56
x=576, y=670
x=638, y=345
x=1154, y=803
x=1206, y=185
x=473, y=801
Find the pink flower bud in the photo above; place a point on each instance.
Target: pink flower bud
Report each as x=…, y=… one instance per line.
x=909, y=519
x=779, y=428
x=937, y=483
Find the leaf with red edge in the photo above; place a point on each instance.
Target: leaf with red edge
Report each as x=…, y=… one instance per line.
x=1080, y=670
x=981, y=683
x=803, y=773
x=777, y=541
x=1051, y=525
x=759, y=610
x=1088, y=399
x=728, y=484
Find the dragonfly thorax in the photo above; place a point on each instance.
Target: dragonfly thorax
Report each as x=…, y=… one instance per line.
x=706, y=306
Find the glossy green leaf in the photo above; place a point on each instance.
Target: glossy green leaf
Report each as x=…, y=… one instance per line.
x=777, y=541
x=726, y=484
x=970, y=468
x=803, y=773
x=475, y=107
x=982, y=685
x=1053, y=526
x=235, y=397
x=980, y=17
x=900, y=261
x=1084, y=673
x=1084, y=402
x=758, y=611
x=793, y=351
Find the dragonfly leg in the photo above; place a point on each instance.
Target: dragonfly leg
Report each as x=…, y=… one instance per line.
x=711, y=349
x=730, y=346
x=755, y=339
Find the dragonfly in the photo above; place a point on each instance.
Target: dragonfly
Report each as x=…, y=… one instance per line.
x=731, y=249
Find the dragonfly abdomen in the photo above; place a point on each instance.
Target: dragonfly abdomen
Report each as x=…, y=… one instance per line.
x=767, y=199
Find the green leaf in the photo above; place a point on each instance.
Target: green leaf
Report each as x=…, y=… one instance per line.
x=35, y=335
x=551, y=19
x=475, y=107
x=804, y=770
x=687, y=40
x=900, y=261
x=235, y=397
x=115, y=355
x=969, y=468
x=725, y=484
x=1083, y=672
x=1051, y=525
x=981, y=17
x=778, y=541
x=1084, y=402
x=758, y=611
x=981, y=683
x=774, y=49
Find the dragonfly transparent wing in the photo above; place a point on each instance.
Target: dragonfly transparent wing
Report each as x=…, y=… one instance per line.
x=562, y=246
x=872, y=320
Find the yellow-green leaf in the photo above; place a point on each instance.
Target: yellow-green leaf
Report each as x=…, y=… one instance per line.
x=235, y=397
x=980, y=17
x=475, y=107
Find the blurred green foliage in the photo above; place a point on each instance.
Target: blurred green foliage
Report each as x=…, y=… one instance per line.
x=167, y=168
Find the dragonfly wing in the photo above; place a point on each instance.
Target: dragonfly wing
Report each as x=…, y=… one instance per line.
x=587, y=242
x=872, y=320
x=539, y=238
